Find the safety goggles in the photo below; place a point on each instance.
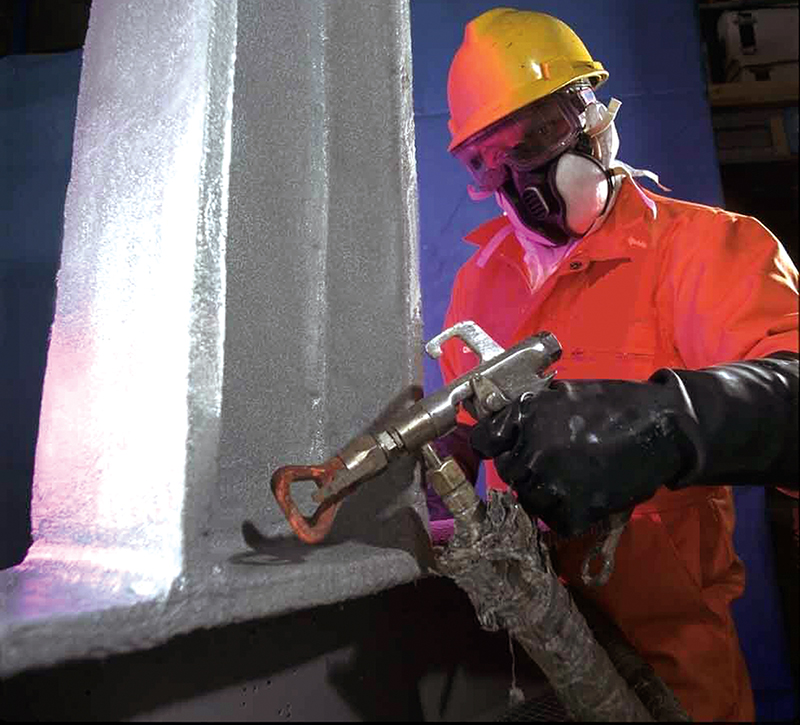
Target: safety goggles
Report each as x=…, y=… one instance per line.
x=526, y=139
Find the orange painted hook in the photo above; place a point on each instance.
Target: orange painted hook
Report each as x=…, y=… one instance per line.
x=315, y=528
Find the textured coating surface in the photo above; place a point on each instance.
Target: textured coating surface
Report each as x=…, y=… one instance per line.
x=238, y=291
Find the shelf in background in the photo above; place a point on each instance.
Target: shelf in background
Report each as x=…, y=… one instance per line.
x=745, y=135
x=752, y=93
x=753, y=157
x=744, y=5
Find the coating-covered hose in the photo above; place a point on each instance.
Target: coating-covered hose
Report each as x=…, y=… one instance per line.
x=659, y=699
x=498, y=557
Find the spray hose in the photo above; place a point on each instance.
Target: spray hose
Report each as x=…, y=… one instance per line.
x=498, y=556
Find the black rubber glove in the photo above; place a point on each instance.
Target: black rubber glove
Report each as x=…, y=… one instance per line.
x=584, y=449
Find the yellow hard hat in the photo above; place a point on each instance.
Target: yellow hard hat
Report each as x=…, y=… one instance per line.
x=508, y=59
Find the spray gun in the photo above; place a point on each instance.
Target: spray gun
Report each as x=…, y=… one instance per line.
x=500, y=377
x=495, y=554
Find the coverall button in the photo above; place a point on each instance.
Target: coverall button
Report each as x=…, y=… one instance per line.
x=575, y=265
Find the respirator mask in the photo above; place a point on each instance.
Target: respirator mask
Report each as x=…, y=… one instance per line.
x=549, y=162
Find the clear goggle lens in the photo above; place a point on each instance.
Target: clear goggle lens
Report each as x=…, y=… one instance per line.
x=526, y=139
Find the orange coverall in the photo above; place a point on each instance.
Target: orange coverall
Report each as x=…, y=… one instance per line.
x=687, y=287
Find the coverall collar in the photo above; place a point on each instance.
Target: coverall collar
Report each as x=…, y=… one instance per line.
x=608, y=242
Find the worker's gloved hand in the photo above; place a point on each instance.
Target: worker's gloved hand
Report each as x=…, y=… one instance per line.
x=584, y=449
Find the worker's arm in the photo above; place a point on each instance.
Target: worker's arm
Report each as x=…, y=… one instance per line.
x=584, y=449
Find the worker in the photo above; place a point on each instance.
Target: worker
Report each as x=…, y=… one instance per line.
x=679, y=328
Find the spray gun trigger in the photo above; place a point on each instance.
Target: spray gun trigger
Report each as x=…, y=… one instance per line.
x=488, y=398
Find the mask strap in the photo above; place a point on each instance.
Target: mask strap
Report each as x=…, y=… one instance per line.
x=622, y=169
x=478, y=194
x=614, y=191
x=607, y=117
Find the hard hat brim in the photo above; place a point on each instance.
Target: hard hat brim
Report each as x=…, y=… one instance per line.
x=528, y=93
